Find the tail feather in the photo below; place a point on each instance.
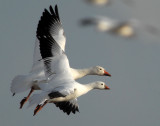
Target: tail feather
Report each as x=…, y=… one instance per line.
x=20, y=83
x=38, y=99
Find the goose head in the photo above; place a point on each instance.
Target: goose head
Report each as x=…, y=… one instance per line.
x=104, y=25
x=98, y=70
x=100, y=85
x=126, y=31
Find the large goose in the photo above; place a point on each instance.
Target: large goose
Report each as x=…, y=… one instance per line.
x=48, y=24
x=61, y=89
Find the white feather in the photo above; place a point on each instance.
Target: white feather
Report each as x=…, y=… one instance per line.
x=38, y=99
x=20, y=83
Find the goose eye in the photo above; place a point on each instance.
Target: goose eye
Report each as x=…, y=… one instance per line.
x=102, y=84
x=100, y=69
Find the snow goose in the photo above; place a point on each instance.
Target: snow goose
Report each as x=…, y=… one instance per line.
x=108, y=2
x=98, y=2
x=61, y=89
x=49, y=23
x=126, y=28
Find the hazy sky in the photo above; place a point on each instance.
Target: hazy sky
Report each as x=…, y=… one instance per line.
x=134, y=98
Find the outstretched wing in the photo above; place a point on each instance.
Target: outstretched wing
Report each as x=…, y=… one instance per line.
x=50, y=24
x=51, y=38
x=55, y=60
x=52, y=55
x=68, y=106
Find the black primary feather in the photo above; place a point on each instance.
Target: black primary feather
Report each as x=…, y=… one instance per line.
x=67, y=107
x=47, y=21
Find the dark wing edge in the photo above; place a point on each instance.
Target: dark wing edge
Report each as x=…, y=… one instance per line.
x=56, y=11
x=47, y=20
x=48, y=46
x=67, y=107
x=48, y=49
x=87, y=21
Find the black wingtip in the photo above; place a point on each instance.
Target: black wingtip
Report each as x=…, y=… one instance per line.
x=67, y=107
x=22, y=102
x=87, y=22
x=13, y=94
x=56, y=7
x=51, y=9
x=45, y=10
x=48, y=18
x=56, y=11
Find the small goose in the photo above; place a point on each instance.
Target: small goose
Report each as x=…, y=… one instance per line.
x=108, y=2
x=98, y=2
x=48, y=24
x=125, y=29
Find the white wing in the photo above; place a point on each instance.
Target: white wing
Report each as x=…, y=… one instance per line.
x=56, y=63
x=36, y=56
x=49, y=23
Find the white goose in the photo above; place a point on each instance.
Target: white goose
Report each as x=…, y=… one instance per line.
x=98, y=2
x=61, y=89
x=49, y=23
x=126, y=28
x=108, y=2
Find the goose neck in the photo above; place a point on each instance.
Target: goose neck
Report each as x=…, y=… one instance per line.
x=79, y=73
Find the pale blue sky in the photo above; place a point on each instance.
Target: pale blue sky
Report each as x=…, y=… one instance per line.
x=134, y=64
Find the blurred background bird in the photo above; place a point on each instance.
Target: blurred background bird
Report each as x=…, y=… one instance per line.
x=126, y=28
x=108, y=2
x=98, y=2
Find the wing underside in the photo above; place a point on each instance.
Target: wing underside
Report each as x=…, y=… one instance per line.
x=66, y=106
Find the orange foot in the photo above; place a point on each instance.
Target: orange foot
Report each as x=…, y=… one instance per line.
x=24, y=100
x=38, y=108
